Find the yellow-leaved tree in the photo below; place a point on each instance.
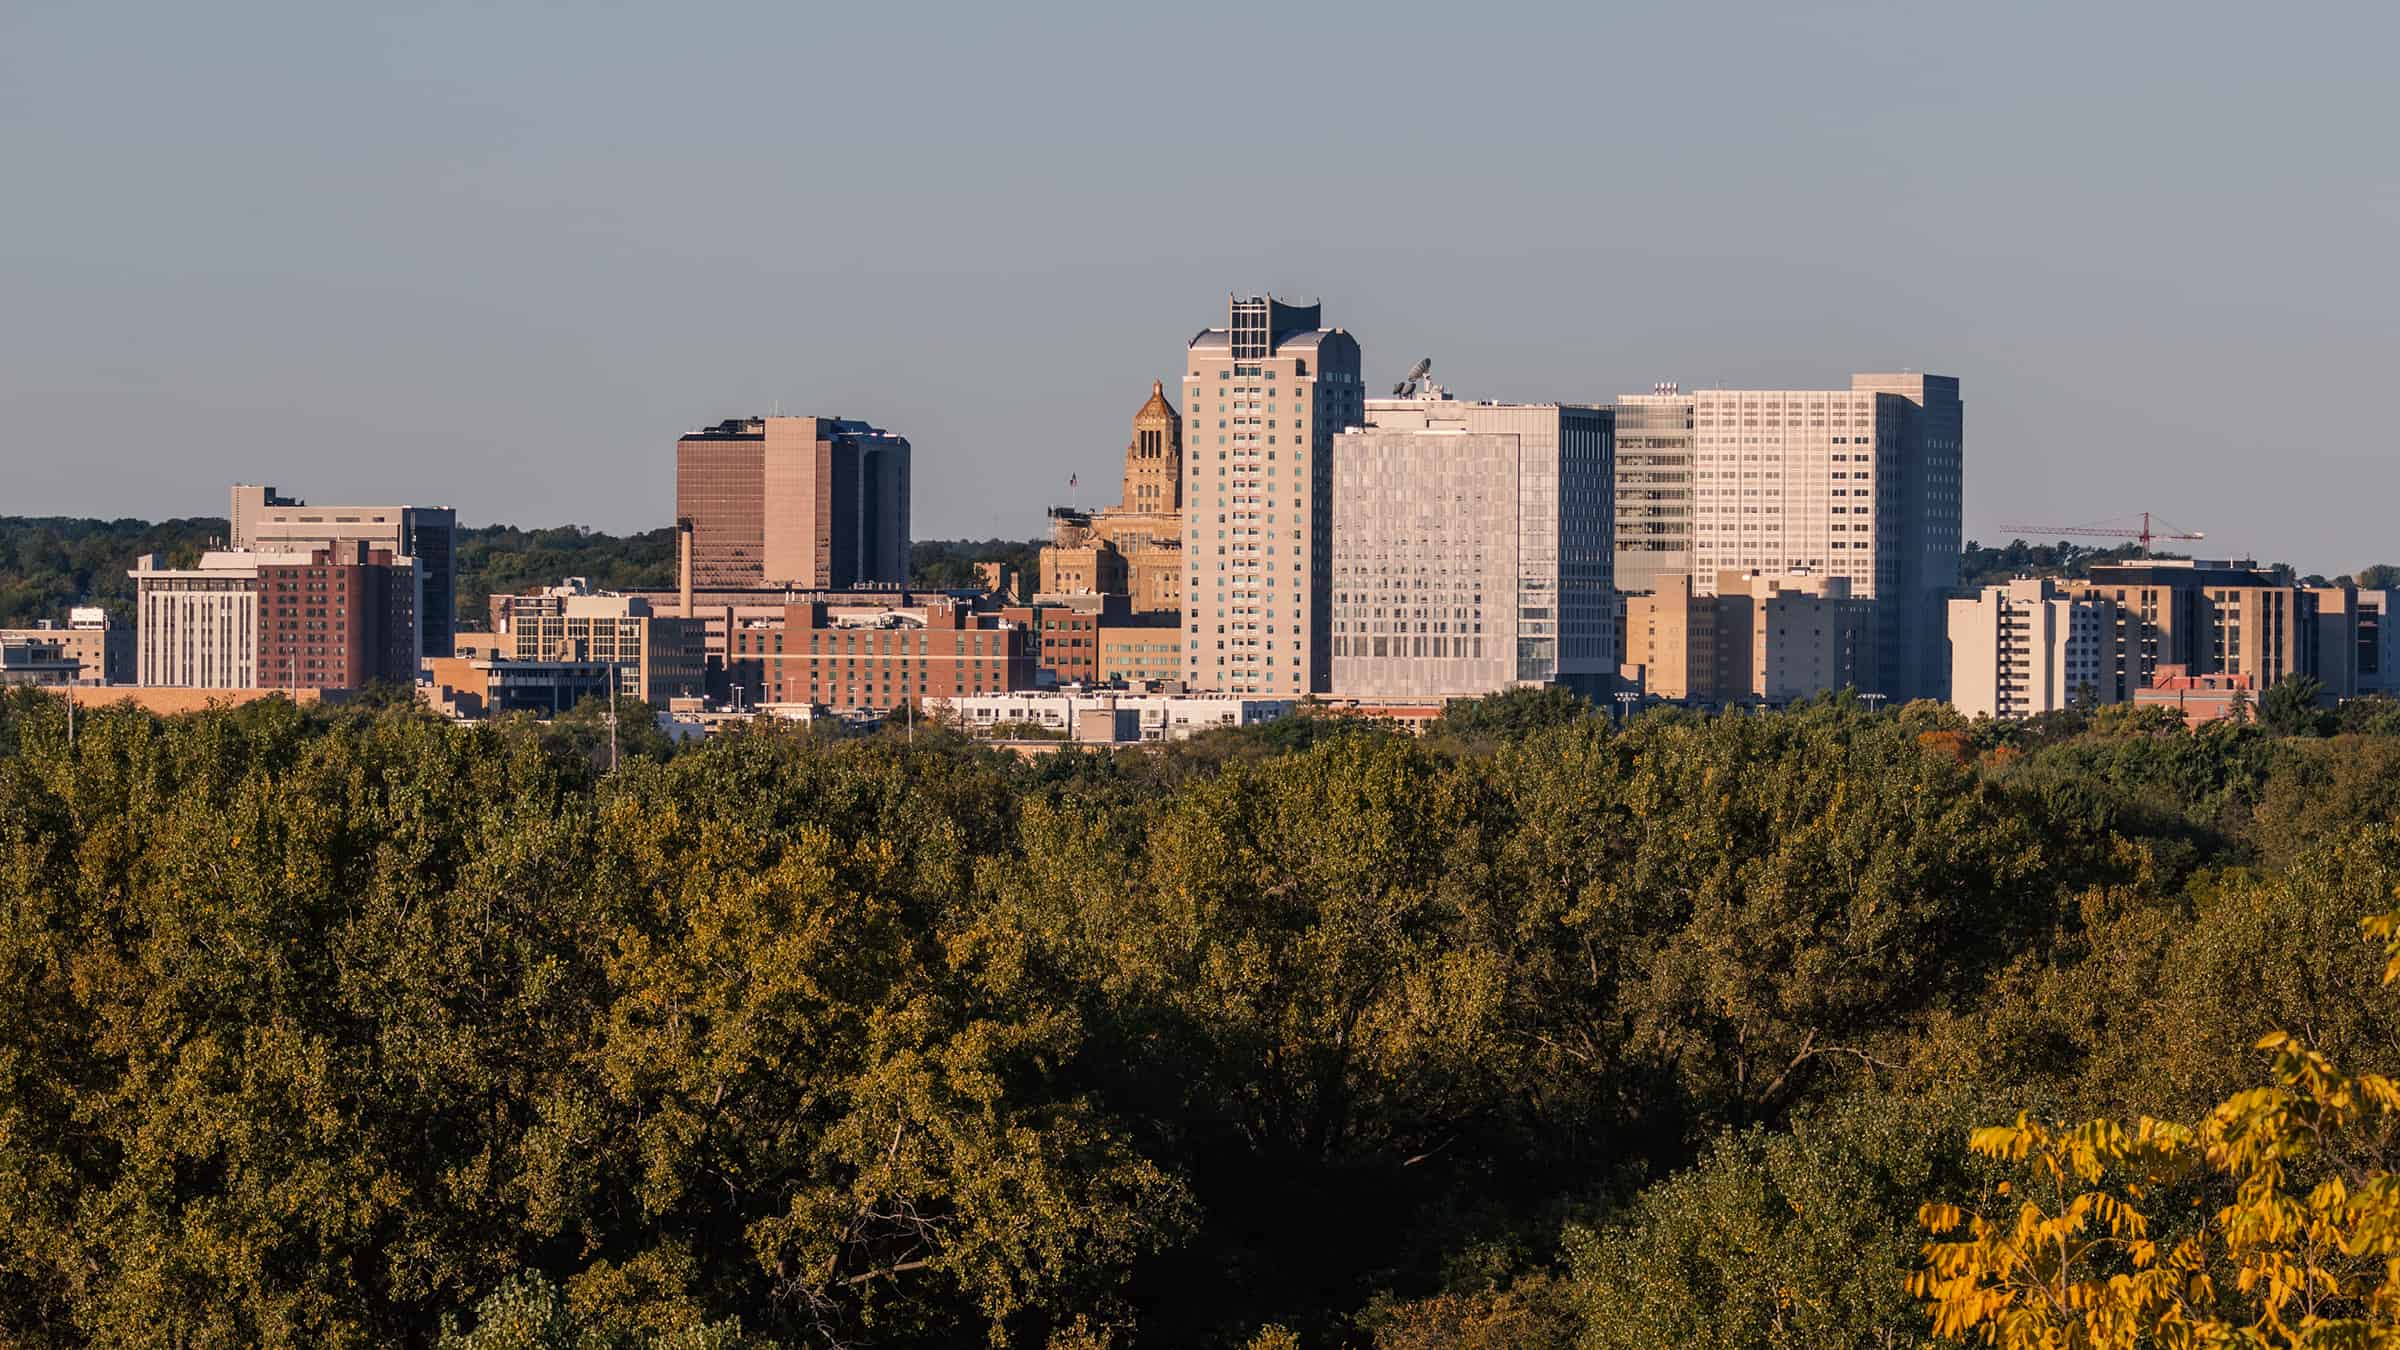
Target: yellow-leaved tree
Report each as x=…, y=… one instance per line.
x=2109, y=1242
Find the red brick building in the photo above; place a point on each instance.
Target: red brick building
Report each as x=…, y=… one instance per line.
x=860, y=658
x=342, y=620
x=1066, y=641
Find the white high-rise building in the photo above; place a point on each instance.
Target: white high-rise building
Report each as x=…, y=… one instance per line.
x=2029, y=647
x=1262, y=398
x=1862, y=483
x=199, y=626
x=1471, y=549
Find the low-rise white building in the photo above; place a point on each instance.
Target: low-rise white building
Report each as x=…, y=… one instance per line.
x=1107, y=715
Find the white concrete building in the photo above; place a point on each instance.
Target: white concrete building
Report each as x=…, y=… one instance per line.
x=1472, y=549
x=1153, y=717
x=1262, y=398
x=2029, y=647
x=198, y=627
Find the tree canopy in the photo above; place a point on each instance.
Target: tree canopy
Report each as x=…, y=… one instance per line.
x=348, y=1026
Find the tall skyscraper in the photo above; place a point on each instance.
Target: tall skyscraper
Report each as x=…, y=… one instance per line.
x=1654, y=489
x=265, y=522
x=1472, y=549
x=1262, y=398
x=1862, y=483
x=815, y=503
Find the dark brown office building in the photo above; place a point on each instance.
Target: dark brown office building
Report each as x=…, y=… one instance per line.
x=816, y=503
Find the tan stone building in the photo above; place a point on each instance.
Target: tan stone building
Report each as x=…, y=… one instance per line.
x=1671, y=640
x=1760, y=638
x=102, y=649
x=1134, y=549
x=2210, y=618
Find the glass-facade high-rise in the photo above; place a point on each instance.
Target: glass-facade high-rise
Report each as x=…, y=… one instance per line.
x=1472, y=549
x=1653, y=489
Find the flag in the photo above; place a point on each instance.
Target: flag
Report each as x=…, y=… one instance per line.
x=1071, y=479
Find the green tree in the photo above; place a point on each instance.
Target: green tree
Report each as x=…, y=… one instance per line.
x=1512, y=714
x=2289, y=707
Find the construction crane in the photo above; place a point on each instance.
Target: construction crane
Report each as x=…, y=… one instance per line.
x=2145, y=534
x=1414, y=385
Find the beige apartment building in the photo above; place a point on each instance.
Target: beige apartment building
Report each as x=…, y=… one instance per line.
x=1863, y=484
x=2031, y=646
x=1262, y=398
x=815, y=503
x=103, y=650
x=656, y=657
x=1471, y=549
x=1757, y=637
x=2206, y=618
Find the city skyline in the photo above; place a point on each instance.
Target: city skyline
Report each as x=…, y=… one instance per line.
x=481, y=272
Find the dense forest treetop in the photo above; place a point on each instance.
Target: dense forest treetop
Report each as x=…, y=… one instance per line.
x=48, y=564
x=347, y=1026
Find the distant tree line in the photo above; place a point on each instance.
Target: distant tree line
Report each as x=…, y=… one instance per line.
x=940, y=563
x=48, y=564
x=1983, y=565
x=351, y=1027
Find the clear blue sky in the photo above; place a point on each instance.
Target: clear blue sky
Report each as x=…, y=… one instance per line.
x=501, y=255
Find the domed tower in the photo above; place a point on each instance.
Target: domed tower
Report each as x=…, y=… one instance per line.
x=1154, y=461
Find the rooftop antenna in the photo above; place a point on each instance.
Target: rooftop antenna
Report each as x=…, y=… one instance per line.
x=1414, y=383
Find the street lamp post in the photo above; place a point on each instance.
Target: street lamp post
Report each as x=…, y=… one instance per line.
x=1626, y=698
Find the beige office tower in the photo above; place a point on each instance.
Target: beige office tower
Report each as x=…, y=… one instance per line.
x=1262, y=398
x=1471, y=549
x=2031, y=647
x=1653, y=489
x=1861, y=484
x=814, y=503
